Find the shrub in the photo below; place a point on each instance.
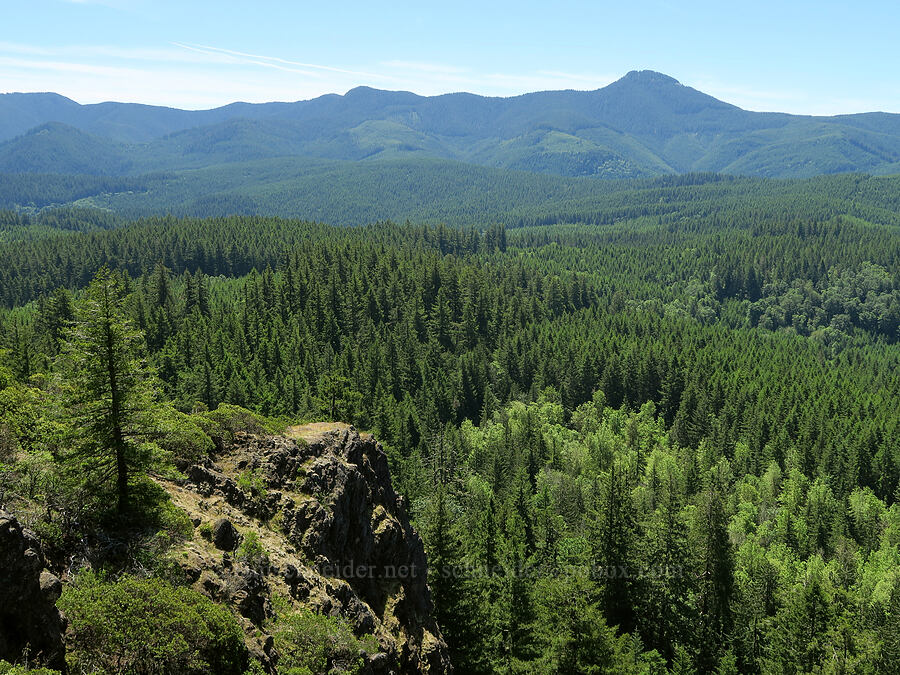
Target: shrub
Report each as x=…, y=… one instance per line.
x=255, y=668
x=50, y=533
x=20, y=417
x=139, y=626
x=7, y=443
x=154, y=510
x=226, y=420
x=314, y=643
x=7, y=668
x=251, y=551
x=183, y=437
x=252, y=483
x=276, y=523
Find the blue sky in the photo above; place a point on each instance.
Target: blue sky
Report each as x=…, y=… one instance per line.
x=804, y=57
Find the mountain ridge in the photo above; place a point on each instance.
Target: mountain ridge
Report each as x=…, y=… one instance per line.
x=646, y=123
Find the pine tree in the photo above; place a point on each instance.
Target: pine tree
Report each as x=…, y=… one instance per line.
x=107, y=390
x=445, y=575
x=613, y=543
x=717, y=582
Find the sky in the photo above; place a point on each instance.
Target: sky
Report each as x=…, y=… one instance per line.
x=793, y=56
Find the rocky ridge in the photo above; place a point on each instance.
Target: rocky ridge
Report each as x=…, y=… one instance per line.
x=334, y=537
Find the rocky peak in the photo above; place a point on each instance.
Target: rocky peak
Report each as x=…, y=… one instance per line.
x=648, y=77
x=337, y=538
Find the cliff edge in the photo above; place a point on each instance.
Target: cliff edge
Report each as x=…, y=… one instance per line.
x=332, y=535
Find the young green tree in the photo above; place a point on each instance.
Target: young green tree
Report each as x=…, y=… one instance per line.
x=716, y=584
x=452, y=602
x=107, y=391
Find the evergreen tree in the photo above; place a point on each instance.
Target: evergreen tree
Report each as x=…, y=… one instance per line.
x=107, y=391
x=717, y=582
x=447, y=578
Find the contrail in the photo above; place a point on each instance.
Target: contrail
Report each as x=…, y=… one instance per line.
x=276, y=60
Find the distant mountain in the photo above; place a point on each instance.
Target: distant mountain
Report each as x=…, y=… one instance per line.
x=54, y=147
x=644, y=124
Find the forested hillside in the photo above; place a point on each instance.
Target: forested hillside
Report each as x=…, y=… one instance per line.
x=643, y=124
x=444, y=192
x=652, y=428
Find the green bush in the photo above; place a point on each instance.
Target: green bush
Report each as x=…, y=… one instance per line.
x=20, y=416
x=50, y=533
x=139, y=626
x=255, y=668
x=310, y=643
x=154, y=510
x=182, y=436
x=251, y=551
x=226, y=420
x=252, y=483
x=7, y=668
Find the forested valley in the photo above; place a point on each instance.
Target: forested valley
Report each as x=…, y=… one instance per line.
x=634, y=437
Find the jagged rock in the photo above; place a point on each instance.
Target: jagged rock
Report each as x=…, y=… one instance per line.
x=224, y=535
x=357, y=529
x=210, y=481
x=29, y=619
x=51, y=586
x=249, y=594
x=210, y=585
x=337, y=529
x=191, y=566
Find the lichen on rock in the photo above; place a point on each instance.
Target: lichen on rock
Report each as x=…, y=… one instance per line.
x=337, y=540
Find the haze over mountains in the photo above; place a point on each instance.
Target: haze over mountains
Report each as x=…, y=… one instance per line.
x=644, y=124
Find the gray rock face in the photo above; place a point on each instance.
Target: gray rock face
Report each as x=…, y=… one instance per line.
x=247, y=590
x=29, y=620
x=224, y=535
x=356, y=529
x=349, y=547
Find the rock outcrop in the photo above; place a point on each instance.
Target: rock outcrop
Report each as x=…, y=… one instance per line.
x=335, y=537
x=30, y=624
x=224, y=535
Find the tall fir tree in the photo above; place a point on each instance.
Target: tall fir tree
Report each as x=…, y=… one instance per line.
x=107, y=391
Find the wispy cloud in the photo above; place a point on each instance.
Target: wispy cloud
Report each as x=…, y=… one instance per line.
x=246, y=60
x=114, y=52
x=194, y=75
x=17, y=48
x=261, y=59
